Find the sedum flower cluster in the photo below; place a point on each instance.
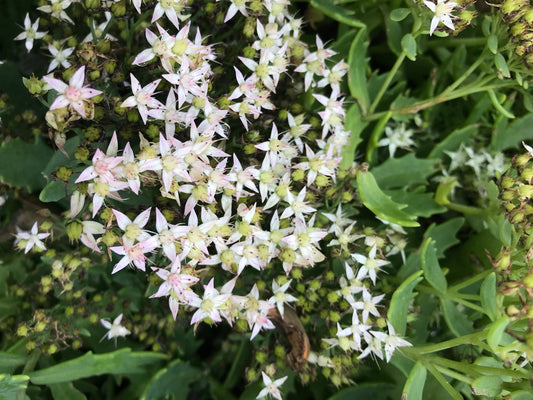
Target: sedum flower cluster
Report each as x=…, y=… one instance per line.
x=238, y=147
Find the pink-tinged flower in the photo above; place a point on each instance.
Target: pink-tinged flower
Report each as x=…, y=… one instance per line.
x=137, y=5
x=142, y=97
x=134, y=253
x=77, y=201
x=167, y=7
x=236, y=5
x=175, y=285
x=101, y=167
x=271, y=387
x=115, y=329
x=30, y=32
x=161, y=47
x=209, y=306
x=297, y=205
x=33, y=238
x=442, y=11
x=257, y=312
x=74, y=94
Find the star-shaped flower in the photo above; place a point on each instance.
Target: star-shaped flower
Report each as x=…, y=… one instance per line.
x=30, y=32
x=442, y=11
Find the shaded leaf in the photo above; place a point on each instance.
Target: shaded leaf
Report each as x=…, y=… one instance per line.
x=513, y=134
x=21, y=163
x=399, y=14
x=430, y=265
x=489, y=386
x=66, y=391
x=337, y=13
x=12, y=387
x=496, y=332
x=119, y=362
x=444, y=234
x=53, y=191
x=399, y=305
x=377, y=391
x=381, y=204
x=403, y=171
x=418, y=203
x=355, y=126
x=414, y=386
x=172, y=381
x=488, y=297
x=357, y=81
x=409, y=46
x=453, y=141
x=457, y=321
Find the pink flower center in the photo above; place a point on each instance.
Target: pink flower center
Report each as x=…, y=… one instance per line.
x=72, y=94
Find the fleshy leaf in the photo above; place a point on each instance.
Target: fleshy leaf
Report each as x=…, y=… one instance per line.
x=399, y=305
x=430, y=265
x=414, y=386
x=381, y=204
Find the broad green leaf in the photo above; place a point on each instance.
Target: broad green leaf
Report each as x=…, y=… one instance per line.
x=403, y=171
x=338, y=13
x=12, y=387
x=374, y=391
x=172, y=381
x=399, y=14
x=394, y=33
x=399, y=305
x=357, y=81
x=490, y=386
x=513, y=134
x=456, y=320
x=66, y=391
x=119, y=362
x=8, y=307
x=238, y=365
x=522, y=395
x=496, y=332
x=418, y=203
x=453, y=141
x=414, y=386
x=355, y=126
x=430, y=265
x=381, y=204
x=445, y=234
x=409, y=46
x=21, y=163
x=501, y=65
x=53, y=191
x=488, y=297
x=9, y=361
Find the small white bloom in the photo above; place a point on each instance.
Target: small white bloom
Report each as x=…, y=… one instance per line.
x=271, y=387
x=442, y=11
x=115, y=329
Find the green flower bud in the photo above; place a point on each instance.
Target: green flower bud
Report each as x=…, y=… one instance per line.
x=64, y=173
x=103, y=46
x=74, y=230
x=34, y=85
x=92, y=4
x=118, y=9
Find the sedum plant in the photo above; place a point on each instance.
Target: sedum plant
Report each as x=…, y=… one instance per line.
x=248, y=204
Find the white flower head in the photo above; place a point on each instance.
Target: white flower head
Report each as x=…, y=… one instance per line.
x=442, y=11
x=115, y=329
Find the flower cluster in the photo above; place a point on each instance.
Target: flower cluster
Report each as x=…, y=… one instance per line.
x=238, y=183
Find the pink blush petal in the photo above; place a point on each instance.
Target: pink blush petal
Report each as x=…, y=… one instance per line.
x=78, y=78
x=59, y=102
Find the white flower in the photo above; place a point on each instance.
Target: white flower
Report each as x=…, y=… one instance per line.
x=30, y=32
x=271, y=387
x=397, y=138
x=442, y=11
x=33, y=238
x=115, y=329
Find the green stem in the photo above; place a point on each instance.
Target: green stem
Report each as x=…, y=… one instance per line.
x=473, y=338
x=453, y=374
x=387, y=82
x=456, y=42
x=464, y=209
x=445, y=384
x=465, y=75
x=470, y=281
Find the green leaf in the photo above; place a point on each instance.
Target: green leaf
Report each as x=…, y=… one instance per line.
x=66, y=391
x=21, y=163
x=456, y=320
x=522, y=395
x=379, y=203
x=119, y=362
x=453, y=141
x=490, y=386
x=357, y=81
x=403, y=171
x=414, y=386
x=430, y=265
x=399, y=14
x=53, y=191
x=501, y=65
x=445, y=234
x=172, y=381
x=8, y=306
x=488, y=297
x=399, y=305
x=12, y=387
x=339, y=14
x=238, y=365
x=374, y=391
x=513, y=134
x=355, y=125
x=418, y=203
x=409, y=46
x=10, y=361
x=496, y=332
x=492, y=43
